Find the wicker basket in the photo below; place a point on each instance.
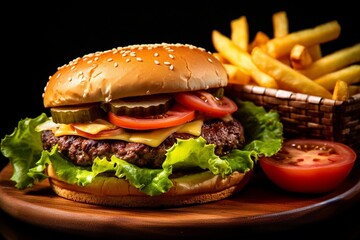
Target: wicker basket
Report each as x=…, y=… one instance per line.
x=308, y=116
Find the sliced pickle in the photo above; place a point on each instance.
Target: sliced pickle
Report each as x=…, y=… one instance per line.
x=217, y=92
x=140, y=106
x=78, y=113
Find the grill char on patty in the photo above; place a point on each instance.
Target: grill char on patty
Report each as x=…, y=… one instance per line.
x=81, y=151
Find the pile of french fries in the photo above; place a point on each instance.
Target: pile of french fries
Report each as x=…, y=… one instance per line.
x=290, y=61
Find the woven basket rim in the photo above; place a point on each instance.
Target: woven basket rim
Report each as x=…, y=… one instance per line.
x=289, y=95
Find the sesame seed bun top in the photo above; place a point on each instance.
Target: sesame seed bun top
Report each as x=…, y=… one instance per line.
x=134, y=70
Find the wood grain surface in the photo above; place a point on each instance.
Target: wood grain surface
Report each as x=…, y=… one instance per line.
x=260, y=205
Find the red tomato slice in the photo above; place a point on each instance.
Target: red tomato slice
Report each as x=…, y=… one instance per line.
x=309, y=165
x=177, y=115
x=206, y=103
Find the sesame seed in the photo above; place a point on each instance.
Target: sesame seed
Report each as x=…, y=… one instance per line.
x=167, y=63
x=116, y=64
x=210, y=60
x=139, y=59
x=171, y=56
x=69, y=79
x=156, y=62
x=86, y=91
x=72, y=68
x=109, y=59
x=156, y=54
x=128, y=60
x=133, y=54
x=171, y=67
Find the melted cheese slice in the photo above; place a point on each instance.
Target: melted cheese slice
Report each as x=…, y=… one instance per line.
x=101, y=129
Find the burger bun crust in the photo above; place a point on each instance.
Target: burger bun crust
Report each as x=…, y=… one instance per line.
x=134, y=70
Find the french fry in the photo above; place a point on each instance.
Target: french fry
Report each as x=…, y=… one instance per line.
x=278, y=47
x=332, y=62
x=315, y=52
x=219, y=57
x=240, y=32
x=259, y=40
x=242, y=59
x=354, y=89
x=236, y=76
x=350, y=74
x=280, y=24
x=341, y=91
x=300, y=57
x=280, y=29
x=287, y=78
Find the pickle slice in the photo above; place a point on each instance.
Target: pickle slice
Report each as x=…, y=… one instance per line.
x=217, y=92
x=140, y=106
x=78, y=113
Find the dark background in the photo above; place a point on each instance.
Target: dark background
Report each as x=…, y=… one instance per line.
x=38, y=38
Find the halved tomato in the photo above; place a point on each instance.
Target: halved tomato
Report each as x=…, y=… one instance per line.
x=177, y=115
x=206, y=103
x=309, y=165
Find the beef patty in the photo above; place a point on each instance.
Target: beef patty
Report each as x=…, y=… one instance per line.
x=226, y=136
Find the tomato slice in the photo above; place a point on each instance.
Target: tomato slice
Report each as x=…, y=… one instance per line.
x=177, y=115
x=206, y=103
x=309, y=165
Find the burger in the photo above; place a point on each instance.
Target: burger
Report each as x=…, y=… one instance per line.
x=145, y=125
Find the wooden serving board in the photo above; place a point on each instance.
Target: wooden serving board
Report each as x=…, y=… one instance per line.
x=259, y=205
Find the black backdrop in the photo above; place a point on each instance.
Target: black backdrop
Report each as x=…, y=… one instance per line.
x=37, y=38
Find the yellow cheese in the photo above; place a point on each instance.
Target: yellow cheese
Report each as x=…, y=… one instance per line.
x=193, y=128
x=94, y=127
x=105, y=130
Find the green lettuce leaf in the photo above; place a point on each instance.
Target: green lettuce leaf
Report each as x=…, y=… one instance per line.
x=263, y=132
x=23, y=148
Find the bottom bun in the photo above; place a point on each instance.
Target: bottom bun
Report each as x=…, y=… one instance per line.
x=190, y=189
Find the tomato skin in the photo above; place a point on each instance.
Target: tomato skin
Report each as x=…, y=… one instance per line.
x=318, y=171
x=206, y=103
x=177, y=115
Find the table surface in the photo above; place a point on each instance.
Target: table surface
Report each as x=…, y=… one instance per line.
x=344, y=225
